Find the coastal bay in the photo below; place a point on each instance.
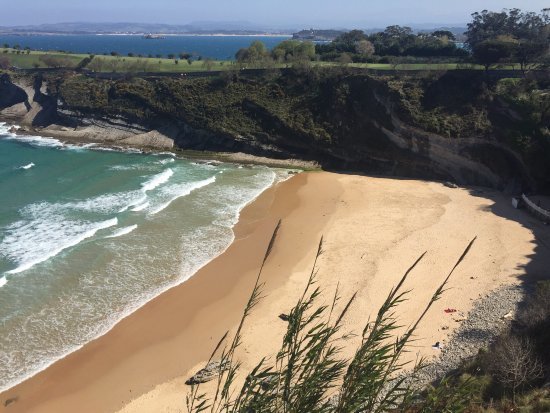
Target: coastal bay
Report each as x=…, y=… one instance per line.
x=373, y=228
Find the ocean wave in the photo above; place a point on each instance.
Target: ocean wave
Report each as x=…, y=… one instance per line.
x=140, y=207
x=36, y=140
x=142, y=198
x=177, y=191
x=3, y=281
x=172, y=154
x=122, y=231
x=220, y=203
x=78, y=147
x=157, y=180
x=31, y=243
x=108, y=203
x=28, y=166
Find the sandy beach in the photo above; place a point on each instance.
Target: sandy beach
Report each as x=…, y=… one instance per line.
x=374, y=228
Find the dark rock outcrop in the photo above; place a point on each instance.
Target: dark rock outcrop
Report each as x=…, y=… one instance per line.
x=449, y=128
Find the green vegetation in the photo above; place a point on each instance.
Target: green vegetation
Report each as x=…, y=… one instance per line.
x=112, y=63
x=118, y=64
x=510, y=375
x=510, y=36
x=35, y=59
x=336, y=109
x=395, y=41
x=509, y=40
x=309, y=374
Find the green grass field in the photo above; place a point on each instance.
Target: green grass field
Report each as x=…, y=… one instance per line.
x=39, y=59
x=31, y=60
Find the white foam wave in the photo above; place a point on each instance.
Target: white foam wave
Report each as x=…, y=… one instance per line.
x=140, y=207
x=166, y=161
x=30, y=243
x=3, y=281
x=177, y=191
x=157, y=180
x=108, y=203
x=197, y=247
x=122, y=231
x=36, y=140
x=28, y=166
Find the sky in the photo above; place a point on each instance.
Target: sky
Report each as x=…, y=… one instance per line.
x=274, y=13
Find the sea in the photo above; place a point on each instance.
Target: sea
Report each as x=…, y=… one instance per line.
x=89, y=234
x=214, y=47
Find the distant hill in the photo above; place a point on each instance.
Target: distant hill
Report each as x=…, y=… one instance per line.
x=243, y=28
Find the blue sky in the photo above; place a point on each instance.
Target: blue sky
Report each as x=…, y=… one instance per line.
x=280, y=13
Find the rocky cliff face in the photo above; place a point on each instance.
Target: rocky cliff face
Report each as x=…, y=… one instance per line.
x=448, y=127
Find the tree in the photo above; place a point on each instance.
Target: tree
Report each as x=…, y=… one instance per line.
x=346, y=42
x=530, y=30
x=345, y=59
x=171, y=56
x=494, y=51
x=293, y=50
x=113, y=53
x=256, y=53
x=364, y=48
x=444, y=34
x=514, y=364
x=527, y=52
x=398, y=32
x=184, y=56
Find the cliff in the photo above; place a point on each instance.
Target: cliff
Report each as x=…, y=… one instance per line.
x=456, y=126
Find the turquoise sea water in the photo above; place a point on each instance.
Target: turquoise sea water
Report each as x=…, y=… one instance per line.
x=214, y=47
x=88, y=235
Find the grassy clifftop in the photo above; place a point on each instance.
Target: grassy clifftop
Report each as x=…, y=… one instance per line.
x=344, y=118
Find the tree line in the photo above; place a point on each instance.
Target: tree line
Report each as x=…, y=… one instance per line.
x=506, y=37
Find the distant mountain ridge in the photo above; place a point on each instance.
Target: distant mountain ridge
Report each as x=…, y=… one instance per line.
x=199, y=27
x=139, y=28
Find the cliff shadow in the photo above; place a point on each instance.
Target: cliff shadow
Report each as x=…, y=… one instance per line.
x=537, y=267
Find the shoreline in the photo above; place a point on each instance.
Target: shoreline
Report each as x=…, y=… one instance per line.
x=245, y=228
x=159, y=291
x=156, y=293
x=240, y=158
x=140, y=365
